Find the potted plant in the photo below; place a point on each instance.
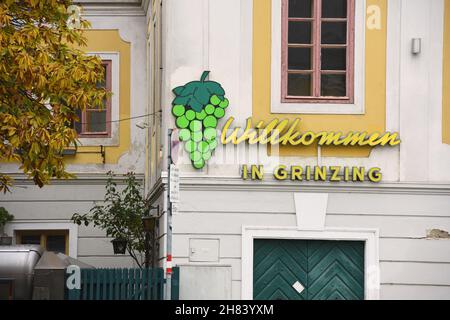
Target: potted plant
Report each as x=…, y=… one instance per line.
x=5, y=217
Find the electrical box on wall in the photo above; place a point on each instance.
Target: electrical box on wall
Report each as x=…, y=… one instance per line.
x=204, y=250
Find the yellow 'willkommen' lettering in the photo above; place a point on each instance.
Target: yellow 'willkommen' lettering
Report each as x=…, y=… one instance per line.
x=286, y=133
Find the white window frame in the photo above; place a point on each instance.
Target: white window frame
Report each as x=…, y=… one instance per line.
x=12, y=227
x=357, y=107
x=113, y=140
x=369, y=236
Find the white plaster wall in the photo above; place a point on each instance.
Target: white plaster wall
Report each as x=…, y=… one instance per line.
x=424, y=157
x=219, y=38
x=415, y=194
x=411, y=265
x=52, y=208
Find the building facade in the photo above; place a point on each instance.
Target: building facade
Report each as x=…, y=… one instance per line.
x=339, y=66
x=112, y=140
x=315, y=216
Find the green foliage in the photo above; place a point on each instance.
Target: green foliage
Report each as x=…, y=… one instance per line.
x=120, y=215
x=44, y=81
x=5, y=217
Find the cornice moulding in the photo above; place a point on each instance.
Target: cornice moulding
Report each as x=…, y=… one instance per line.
x=237, y=184
x=114, y=8
x=81, y=179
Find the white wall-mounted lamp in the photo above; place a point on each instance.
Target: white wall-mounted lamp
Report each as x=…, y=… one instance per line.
x=416, y=46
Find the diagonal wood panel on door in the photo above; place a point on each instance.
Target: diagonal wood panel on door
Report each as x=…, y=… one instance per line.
x=328, y=270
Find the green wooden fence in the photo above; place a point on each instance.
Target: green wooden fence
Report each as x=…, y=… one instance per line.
x=121, y=284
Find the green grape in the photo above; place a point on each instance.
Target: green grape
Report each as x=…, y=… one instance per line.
x=215, y=100
x=224, y=104
x=213, y=145
x=195, y=126
x=200, y=115
x=210, y=122
x=203, y=147
x=210, y=134
x=219, y=113
x=196, y=156
x=178, y=110
x=184, y=135
x=197, y=136
x=190, y=146
x=182, y=122
x=190, y=115
x=209, y=109
x=200, y=164
x=207, y=155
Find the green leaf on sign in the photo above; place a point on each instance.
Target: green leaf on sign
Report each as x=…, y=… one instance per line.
x=215, y=88
x=196, y=94
x=178, y=90
x=180, y=100
x=195, y=105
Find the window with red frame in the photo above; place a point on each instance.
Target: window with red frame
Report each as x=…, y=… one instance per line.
x=96, y=123
x=318, y=51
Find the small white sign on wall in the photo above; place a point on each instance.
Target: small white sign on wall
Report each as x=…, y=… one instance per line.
x=174, y=180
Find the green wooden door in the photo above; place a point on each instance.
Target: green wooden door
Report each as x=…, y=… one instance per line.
x=278, y=264
x=308, y=270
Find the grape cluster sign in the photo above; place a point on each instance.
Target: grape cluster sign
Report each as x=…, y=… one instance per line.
x=198, y=106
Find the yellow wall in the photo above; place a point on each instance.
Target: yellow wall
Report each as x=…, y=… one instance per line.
x=110, y=41
x=374, y=118
x=446, y=89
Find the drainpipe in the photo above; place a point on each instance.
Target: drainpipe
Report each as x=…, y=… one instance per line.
x=169, y=221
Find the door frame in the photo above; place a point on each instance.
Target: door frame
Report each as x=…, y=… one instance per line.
x=371, y=252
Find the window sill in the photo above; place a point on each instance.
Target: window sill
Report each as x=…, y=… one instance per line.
x=98, y=141
x=94, y=135
x=317, y=107
x=315, y=100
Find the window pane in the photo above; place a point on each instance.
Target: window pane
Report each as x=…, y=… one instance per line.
x=334, y=8
x=96, y=121
x=299, y=58
x=299, y=85
x=334, y=32
x=334, y=85
x=300, y=32
x=334, y=59
x=300, y=8
x=56, y=243
x=31, y=239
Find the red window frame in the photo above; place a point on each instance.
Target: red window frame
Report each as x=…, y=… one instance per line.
x=316, y=47
x=83, y=117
